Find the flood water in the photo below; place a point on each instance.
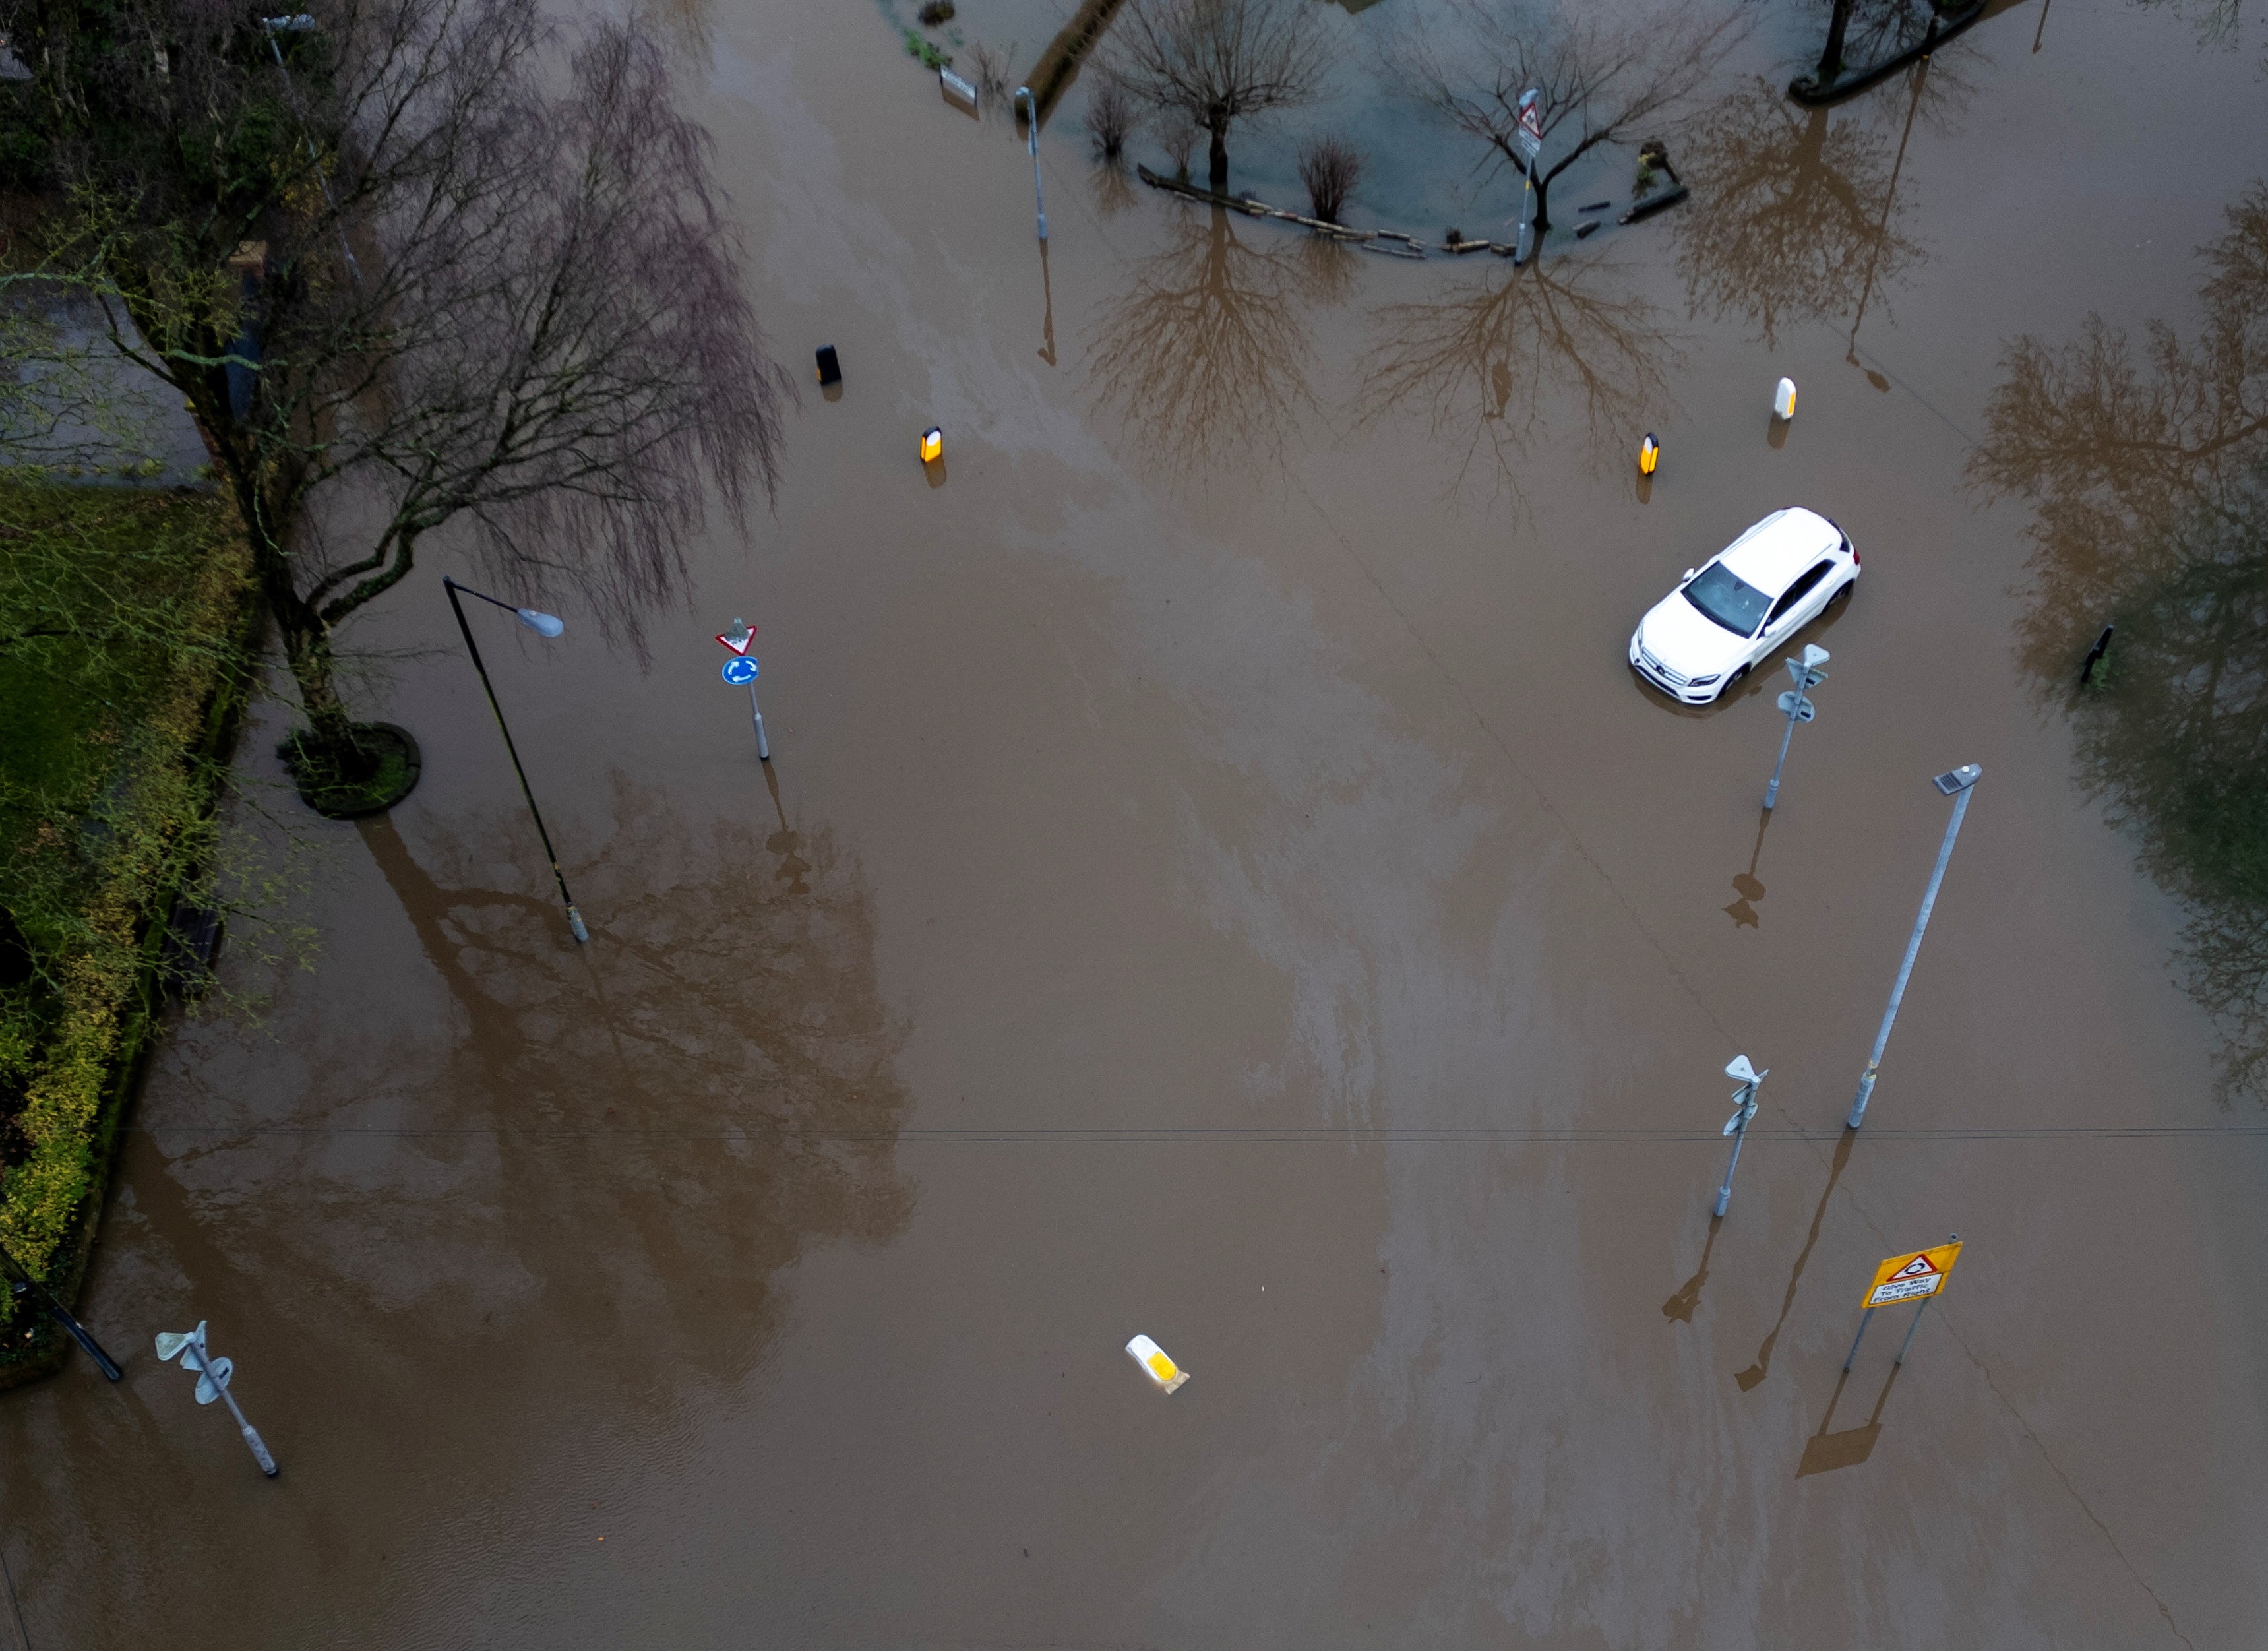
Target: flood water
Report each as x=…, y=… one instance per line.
x=1218, y=879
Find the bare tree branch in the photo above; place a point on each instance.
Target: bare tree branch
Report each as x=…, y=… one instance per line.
x=1600, y=81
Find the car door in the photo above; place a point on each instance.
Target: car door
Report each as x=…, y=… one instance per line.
x=1798, y=603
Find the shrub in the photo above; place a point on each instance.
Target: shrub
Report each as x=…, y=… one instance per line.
x=1329, y=167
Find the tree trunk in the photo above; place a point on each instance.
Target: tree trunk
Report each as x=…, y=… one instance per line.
x=308, y=650
x=1219, y=127
x=1831, y=61
x=1543, y=205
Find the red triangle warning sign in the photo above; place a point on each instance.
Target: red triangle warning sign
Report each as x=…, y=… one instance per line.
x=1919, y=1267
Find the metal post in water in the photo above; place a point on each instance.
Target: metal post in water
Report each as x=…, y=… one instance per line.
x=1866, y=1317
x=1744, y=1108
x=542, y=624
x=1915, y=1325
x=1797, y=707
x=1956, y=784
x=212, y=1382
x=27, y=1284
x=1032, y=143
x=763, y=747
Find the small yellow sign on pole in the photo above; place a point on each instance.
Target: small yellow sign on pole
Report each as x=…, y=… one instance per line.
x=1912, y=1277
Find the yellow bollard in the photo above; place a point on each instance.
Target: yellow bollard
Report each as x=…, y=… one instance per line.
x=1155, y=1364
x=1784, y=399
x=932, y=444
x=1649, y=454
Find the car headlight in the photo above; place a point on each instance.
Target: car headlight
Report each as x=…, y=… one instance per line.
x=1702, y=682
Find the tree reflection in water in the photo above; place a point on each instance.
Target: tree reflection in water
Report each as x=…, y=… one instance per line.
x=1206, y=357
x=1497, y=363
x=704, y=1091
x=2148, y=470
x=1804, y=221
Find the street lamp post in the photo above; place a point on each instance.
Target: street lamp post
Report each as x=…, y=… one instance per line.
x=543, y=625
x=24, y=1285
x=212, y=1383
x=1744, y=1108
x=1796, y=706
x=1031, y=142
x=1956, y=784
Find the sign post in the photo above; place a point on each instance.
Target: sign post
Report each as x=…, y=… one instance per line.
x=1744, y=1108
x=1529, y=136
x=740, y=671
x=1917, y=1276
x=212, y=1383
x=1796, y=706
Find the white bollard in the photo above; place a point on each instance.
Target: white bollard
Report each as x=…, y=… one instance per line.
x=1784, y=399
x=1155, y=1365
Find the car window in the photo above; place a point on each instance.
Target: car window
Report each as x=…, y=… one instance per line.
x=1798, y=590
x=1727, y=599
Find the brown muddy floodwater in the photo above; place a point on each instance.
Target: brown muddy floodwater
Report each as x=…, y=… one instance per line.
x=1218, y=879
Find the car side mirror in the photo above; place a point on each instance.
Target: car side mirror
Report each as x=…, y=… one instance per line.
x=1689, y=574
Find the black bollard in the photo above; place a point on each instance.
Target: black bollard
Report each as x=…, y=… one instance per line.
x=2094, y=655
x=830, y=370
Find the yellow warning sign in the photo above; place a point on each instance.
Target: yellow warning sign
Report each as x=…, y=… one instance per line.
x=1910, y=1277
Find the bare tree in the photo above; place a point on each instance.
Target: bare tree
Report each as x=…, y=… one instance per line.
x=1214, y=62
x=492, y=291
x=1598, y=80
x=1330, y=167
x=1111, y=118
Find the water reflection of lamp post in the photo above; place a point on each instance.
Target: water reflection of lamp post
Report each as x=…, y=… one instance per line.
x=1881, y=230
x=1956, y=784
x=1031, y=142
x=543, y=625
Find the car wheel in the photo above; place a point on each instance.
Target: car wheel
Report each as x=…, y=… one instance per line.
x=1734, y=682
x=1842, y=592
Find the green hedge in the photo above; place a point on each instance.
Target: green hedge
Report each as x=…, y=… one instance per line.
x=122, y=625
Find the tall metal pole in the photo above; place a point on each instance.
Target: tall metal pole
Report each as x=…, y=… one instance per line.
x=1031, y=142
x=1744, y=1108
x=203, y=1367
x=574, y=917
x=763, y=747
x=1866, y=1319
x=1771, y=792
x=1915, y=1325
x=79, y=1333
x=1724, y=1192
x=1961, y=782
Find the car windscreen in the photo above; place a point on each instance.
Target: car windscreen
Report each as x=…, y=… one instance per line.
x=1729, y=599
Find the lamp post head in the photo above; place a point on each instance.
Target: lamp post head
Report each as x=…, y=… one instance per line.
x=542, y=624
x=1953, y=782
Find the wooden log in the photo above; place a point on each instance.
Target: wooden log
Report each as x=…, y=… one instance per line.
x=1654, y=203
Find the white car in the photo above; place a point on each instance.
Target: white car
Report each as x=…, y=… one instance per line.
x=1744, y=603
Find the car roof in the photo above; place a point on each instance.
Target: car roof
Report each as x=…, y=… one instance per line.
x=1772, y=553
